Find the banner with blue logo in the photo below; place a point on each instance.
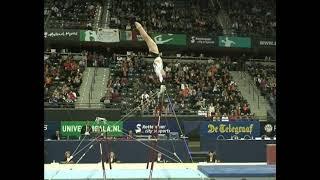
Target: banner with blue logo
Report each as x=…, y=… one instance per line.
x=147, y=127
x=50, y=128
x=230, y=129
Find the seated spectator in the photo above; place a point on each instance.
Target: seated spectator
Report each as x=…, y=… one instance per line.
x=246, y=109
x=99, y=133
x=130, y=135
x=212, y=157
x=233, y=116
x=67, y=158
x=144, y=98
x=111, y=157
x=211, y=110
x=224, y=117
x=56, y=136
x=160, y=159
x=216, y=117
x=86, y=129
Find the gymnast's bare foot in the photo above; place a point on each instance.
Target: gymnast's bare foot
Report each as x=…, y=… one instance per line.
x=138, y=25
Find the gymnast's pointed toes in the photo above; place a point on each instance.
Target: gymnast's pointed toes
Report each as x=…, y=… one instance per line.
x=138, y=25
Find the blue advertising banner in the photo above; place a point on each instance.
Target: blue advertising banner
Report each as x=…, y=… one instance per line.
x=192, y=128
x=50, y=128
x=229, y=129
x=146, y=127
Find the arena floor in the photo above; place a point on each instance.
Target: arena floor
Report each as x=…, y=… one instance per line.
x=218, y=171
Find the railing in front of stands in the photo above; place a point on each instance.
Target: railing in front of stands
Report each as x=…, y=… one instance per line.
x=67, y=105
x=92, y=85
x=253, y=89
x=190, y=58
x=187, y=113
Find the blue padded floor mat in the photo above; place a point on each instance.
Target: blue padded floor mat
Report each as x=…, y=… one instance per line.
x=238, y=171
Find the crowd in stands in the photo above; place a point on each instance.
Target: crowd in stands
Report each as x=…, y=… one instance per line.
x=62, y=79
x=246, y=18
x=191, y=86
x=251, y=17
x=94, y=59
x=73, y=14
x=264, y=77
x=165, y=16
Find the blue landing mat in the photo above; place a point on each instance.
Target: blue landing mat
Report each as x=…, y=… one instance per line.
x=238, y=171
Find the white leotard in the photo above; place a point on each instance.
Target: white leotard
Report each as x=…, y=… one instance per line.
x=158, y=67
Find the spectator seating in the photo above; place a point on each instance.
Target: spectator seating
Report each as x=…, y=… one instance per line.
x=254, y=17
x=165, y=16
x=192, y=87
x=62, y=79
x=247, y=18
x=72, y=14
x=264, y=77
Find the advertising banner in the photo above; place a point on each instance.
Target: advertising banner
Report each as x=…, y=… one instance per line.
x=231, y=41
x=50, y=129
x=126, y=36
x=202, y=41
x=170, y=39
x=229, y=129
x=108, y=35
x=137, y=37
x=192, y=128
x=268, y=129
x=147, y=127
x=62, y=34
x=265, y=43
x=73, y=128
x=88, y=35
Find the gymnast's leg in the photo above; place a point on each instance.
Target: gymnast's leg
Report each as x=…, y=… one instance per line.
x=157, y=63
x=150, y=43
